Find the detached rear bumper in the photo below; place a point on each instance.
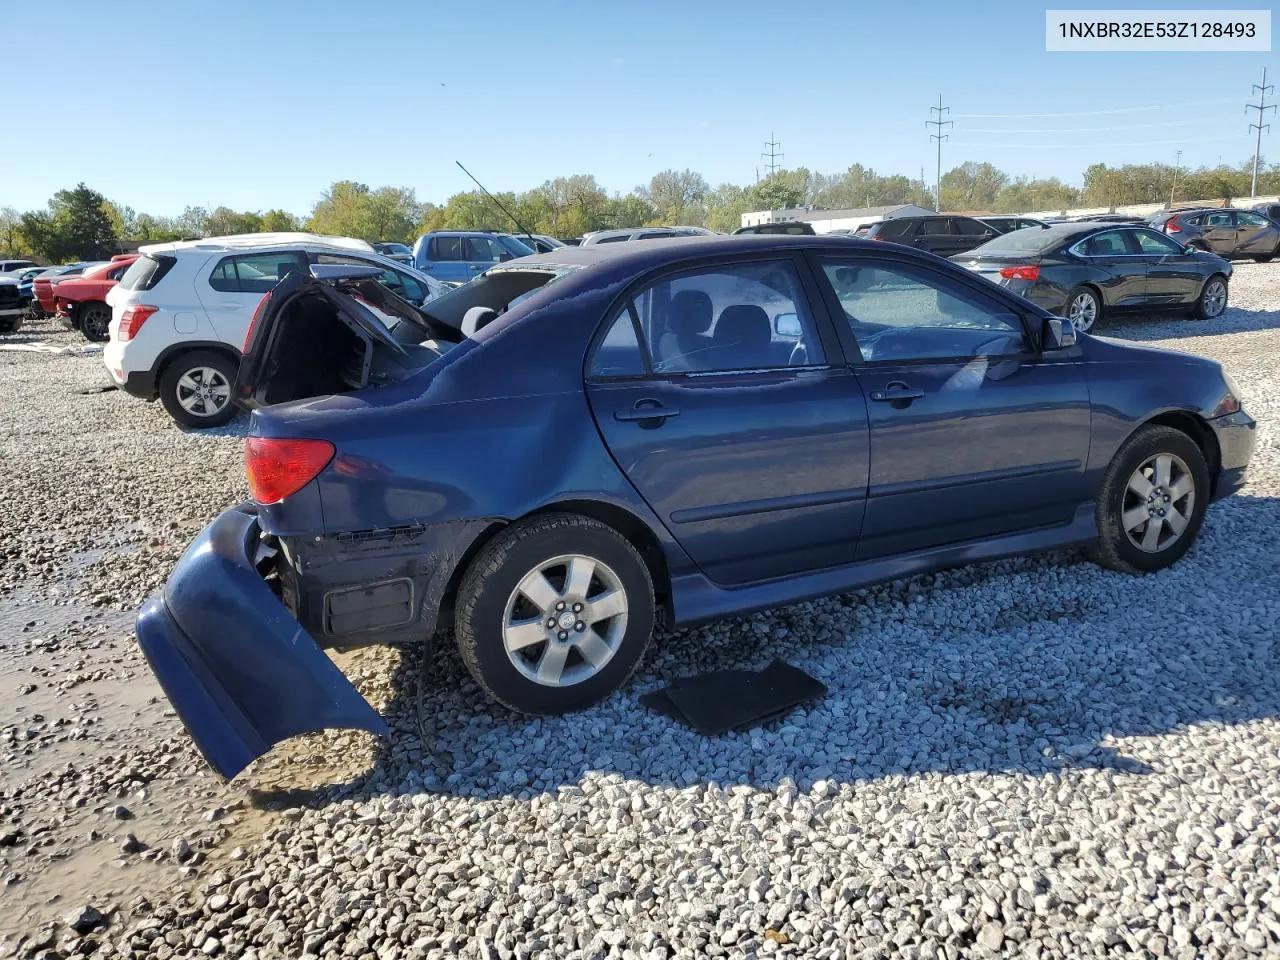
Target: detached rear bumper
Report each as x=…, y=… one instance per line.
x=238, y=668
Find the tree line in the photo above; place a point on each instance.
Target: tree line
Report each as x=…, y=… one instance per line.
x=83, y=224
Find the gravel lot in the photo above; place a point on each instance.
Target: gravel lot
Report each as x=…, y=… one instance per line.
x=1035, y=758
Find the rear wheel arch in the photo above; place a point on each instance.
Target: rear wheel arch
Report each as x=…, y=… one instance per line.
x=178, y=351
x=623, y=521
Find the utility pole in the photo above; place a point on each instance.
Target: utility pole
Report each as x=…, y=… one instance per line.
x=922, y=185
x=939, y=136
x=1177, y=165
x=1261, y=106
x=772, y=154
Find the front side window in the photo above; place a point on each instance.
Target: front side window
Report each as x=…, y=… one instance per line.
x=1156, y=244
x=899, y=313
x=969, y=228
x=1250, y=220
x=935, y=226
x=483, y=250
x=728, y=317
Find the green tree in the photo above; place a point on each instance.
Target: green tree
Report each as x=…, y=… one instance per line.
x=676, y=196
x=776, y=192
x=12, y=242
x=972, y=186
x=630, y=210
x=725, y=206
x=279, y=221
x=223, y=222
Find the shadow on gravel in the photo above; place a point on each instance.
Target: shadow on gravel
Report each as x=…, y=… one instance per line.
x=1233, y=320
x=1030, y=666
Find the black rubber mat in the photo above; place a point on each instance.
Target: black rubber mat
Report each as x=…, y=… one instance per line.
x=724, y=700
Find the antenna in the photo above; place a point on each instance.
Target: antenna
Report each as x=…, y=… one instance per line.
x=939, y=136
x=497, y=202
x=772, y=154
x=1262, y=107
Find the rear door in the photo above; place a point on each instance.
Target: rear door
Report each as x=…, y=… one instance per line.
x=974, y=433
x=233, y=288
x=934, y=234
x=446, y=258
x=968, y=233
x=1115, y=253
x=1219, y=232
x=724, y=398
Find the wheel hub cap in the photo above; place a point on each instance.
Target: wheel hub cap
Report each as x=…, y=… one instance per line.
x=1158, y=503
x=565, y=620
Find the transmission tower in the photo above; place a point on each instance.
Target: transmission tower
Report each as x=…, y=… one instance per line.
x=772, y=154
x=1262, y=107
x=938, y=123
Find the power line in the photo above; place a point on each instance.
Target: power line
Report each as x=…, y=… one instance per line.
x=1089, y=113
x=1262, y=108
x=772, y=154
x=1095, y=146
x=1126, y=126
x=939, y=136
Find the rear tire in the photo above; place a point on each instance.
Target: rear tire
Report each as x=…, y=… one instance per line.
x=1084, y=309
x=1213, y=298
x=196, y=388
x=1159, y=479
x=581, y=633
x=93, y=319
x=10, y=324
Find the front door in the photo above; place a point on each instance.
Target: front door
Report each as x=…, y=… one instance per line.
x=1173, y=274
x=974, y=433
x=1255, y=234
x=735, y=419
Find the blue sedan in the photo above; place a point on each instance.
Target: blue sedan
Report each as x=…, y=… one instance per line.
x=577, y=445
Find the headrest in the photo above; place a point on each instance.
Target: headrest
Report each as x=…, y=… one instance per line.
x=744, y=324
x=477, y=317
x=690, y=313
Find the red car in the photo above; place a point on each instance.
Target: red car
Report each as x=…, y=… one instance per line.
x=81, y=302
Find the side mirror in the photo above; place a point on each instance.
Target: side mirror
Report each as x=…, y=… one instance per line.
x=787, y=325
x=1059, y=333
x=1188, y=251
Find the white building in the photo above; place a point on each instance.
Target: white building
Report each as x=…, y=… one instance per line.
x=824, y=221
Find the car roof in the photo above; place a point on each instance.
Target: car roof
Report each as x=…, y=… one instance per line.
x=241, y=242
x=659, y=252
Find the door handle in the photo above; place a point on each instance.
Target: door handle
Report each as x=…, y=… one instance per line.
x=897, y=392
x=646, y=410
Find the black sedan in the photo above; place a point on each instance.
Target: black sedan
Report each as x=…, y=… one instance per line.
x=1086, y=271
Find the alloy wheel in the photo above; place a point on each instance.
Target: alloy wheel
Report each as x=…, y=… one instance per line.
x=1159, y=501
x=1083, y=311
x=565, y=620
x=203, y=391
x=1215, y=299
x=95, y=322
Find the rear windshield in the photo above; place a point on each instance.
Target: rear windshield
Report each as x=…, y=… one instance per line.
x=146, y=272
x=1022, y=241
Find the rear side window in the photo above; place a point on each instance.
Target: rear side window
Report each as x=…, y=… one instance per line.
x=619, y=354
x=614, y=239
x=969, y=228
x=936, y=226
x=1109, y=243
x=892, y=230
x=146, y=272
x=445, y=248
x=254, y=272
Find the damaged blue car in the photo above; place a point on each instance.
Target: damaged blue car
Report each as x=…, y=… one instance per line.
x=578, y=445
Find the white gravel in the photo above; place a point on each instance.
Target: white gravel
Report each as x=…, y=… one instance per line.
x=1035, y=757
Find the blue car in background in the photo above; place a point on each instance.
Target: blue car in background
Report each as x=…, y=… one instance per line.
x=669, y=431
x=458, y=255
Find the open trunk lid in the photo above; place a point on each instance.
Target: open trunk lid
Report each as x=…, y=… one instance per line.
x=334, y=329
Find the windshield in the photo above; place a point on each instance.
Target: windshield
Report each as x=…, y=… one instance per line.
x=515, y=245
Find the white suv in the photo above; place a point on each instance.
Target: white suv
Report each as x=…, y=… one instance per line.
x=180, y=315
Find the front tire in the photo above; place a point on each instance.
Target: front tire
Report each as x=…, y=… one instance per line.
x=1084, y=308
x=1213, y=298
x=554, y=614
x=196, y=389
x=94, y=319
x=1152, y=501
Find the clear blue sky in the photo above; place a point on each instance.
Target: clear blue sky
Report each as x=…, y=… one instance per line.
x=262, y=104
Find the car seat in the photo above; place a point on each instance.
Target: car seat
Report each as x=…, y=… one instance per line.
x=688, y=319
x=743, y=338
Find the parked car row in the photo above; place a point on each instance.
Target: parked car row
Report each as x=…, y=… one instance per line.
x=737, y=422
x=1226, y=231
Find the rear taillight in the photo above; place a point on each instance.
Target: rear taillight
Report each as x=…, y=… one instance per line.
x=253, y=321
x=1031, y=272
x=278, y=468
x=1172, y=227
x=131, y=321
